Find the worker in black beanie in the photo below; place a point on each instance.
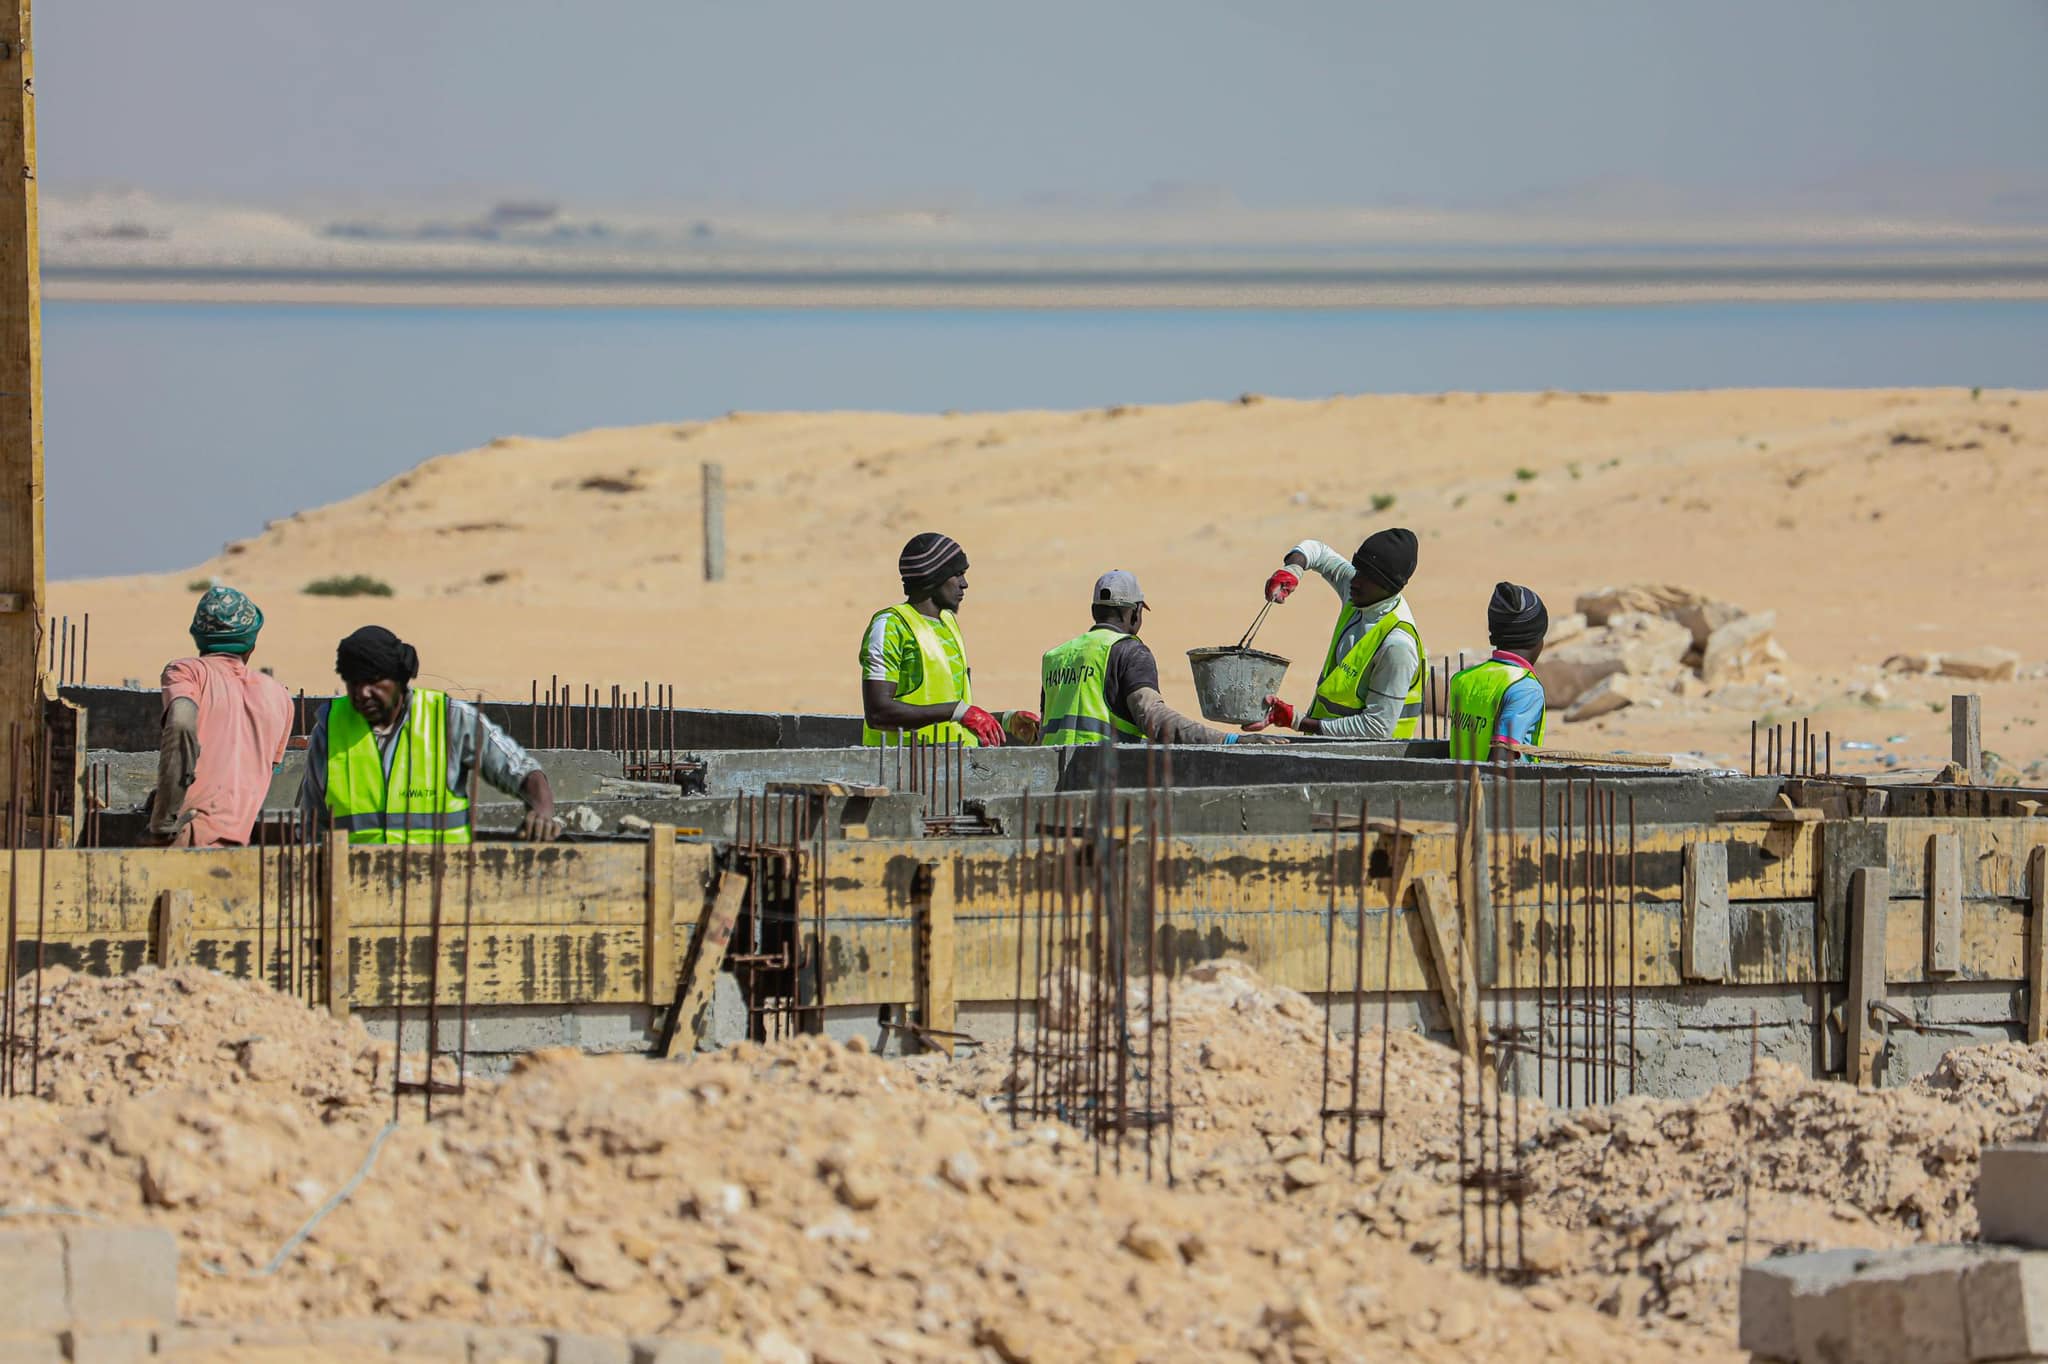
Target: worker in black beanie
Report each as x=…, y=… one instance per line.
x=389, y=762
x=915, y=681
x=1370, y=686
x=1502, y=698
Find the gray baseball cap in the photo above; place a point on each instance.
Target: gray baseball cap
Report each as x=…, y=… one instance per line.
x=1118, y=588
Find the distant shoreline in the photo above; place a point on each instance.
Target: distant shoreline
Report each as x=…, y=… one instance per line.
x=1051, y=290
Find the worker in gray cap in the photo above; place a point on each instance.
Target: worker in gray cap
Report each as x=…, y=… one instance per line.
x=1103, y=686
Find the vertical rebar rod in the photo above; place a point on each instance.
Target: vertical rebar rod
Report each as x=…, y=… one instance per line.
x=1632, y=958
x=1329, y=982
x=16, y=835
x=437, y=869
x=84, y=662
x=1613, y=937
x=35, y=1037
x=1542, y=914
x=1459, y=834
x=1151, y=948
x=1017, y=1002
x=1358, y=979
x=1567, y=948
x=1515, y=980
x=1395, y=866
x=1173, y=949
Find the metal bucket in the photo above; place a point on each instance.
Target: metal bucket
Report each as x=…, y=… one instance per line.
x=1232, y=684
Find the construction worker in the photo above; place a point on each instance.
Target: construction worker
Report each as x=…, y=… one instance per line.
x=1501, y=699
x=1102, y=686
x=225, y=727
x=390, y=762
x=1371, y=683
x=914, y=674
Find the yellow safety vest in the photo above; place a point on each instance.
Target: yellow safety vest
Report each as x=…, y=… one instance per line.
x=1341, y=690
x=942, y=682
x=415, y=804
x=1474, y=708
x=1074, y=678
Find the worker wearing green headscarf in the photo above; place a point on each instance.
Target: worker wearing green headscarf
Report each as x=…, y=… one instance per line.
x=225, y=726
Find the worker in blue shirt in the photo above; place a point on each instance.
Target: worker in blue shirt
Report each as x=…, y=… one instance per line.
x=1501, y=697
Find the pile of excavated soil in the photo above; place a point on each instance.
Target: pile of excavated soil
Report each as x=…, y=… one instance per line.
x=109, y=1038
x=809, y=1199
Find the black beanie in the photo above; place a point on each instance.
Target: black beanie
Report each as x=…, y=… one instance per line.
x=1387, y=557
x=373, y=654
x=928, y=560
x=1516, y=619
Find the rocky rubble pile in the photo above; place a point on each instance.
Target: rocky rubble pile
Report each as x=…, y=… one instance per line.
x=1634, y=645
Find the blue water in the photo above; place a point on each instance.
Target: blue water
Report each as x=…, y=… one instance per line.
x=171, y=429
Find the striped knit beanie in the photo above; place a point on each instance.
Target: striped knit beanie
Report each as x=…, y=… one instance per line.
x=928, y=560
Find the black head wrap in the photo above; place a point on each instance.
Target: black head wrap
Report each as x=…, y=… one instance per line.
x=1516, y=619
x=373, y=654
x=928, y=560
x=1387, y=557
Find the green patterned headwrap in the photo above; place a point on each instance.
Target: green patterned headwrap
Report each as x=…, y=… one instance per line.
x=225, y=622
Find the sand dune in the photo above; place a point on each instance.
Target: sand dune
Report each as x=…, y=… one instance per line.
x=1873, y=522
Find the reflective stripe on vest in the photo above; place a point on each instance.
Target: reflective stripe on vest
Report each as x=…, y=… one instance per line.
x=1341, y=690
x=940, y=685
x=1474, y=708
x=1074, y=678
x=418, y=807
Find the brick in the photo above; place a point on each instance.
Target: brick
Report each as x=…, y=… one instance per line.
x=32, y=1268
x=1768, y=1287
x=121, y=1274
x=40, y=1348
x=572, y=1347
x=2006, y=1299
x=2012, y=1195
x=118, y=1346
x=1900, y=1307
x=507, y=1345
x=658, y=1350
x=194, y=1340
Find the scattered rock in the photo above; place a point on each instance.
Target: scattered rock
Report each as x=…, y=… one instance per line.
x=1736, y=647
x=1986, y=663
x=1919, y=661
x=1612, y=693
x=1564, y=628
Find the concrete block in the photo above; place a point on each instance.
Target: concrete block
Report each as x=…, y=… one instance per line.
x=573, y=1347
x=2012, y=1195
x=43, y=1348
x=657, y=1350
x=1944, y=904
x=1900, y=1307
x=443, y=1342
x=118, y=1346
x=2006, y=1300
x=121, y=1274
x=191, y=1341
x=508, y=1345
x=1769, y=1286
x=1705, y=955
x=32, y=1267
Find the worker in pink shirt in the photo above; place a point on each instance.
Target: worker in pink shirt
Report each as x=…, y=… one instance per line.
x=225, y=729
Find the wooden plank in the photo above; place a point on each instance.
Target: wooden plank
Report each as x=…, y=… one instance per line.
x=700, y=968
x=937, y=958
x=1585, y=756
x=1944, y=904
x=21, y=383
x=173, y=928
x=1870, y=895
x=661, y=913
x=2037, y=945
x=1450, y=966
x=338, y=926
x=1705, y=911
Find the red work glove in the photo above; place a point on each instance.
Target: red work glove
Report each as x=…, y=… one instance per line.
x=1281, y=585
x=1278, y=712
x=1022, y=726
x=982, y=726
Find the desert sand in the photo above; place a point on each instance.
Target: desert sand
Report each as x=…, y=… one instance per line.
x=1872, y=522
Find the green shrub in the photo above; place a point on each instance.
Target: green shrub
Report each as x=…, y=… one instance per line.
x=1382, y=501
x=199, y=585
x=353, y=585
x=1511, y=496
x=1525, y=474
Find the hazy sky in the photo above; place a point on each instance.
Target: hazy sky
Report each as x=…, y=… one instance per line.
x=816, y=103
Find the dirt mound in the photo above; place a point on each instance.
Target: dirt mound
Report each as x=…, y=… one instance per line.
x=807, y=1191
x=109, y=1038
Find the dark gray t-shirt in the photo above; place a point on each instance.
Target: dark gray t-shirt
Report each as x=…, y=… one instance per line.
x=1131, y=666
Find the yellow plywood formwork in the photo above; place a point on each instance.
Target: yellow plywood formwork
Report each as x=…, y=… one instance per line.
x=21, y=386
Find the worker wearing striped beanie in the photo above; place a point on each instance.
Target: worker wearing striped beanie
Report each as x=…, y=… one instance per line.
x=914, y=674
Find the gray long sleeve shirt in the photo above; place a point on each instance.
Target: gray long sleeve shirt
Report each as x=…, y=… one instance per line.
x=506, y=765
x=1394, y=666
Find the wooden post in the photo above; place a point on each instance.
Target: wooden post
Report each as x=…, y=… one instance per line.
x=173, y=928
x=1966, y=736
x=937, y=1005
x=1944, y=904
x=714, y=522
x=1704, y=951
x=337, y=926
x=1869, y=895
x=21, y=386
x=700, y=967
x=2037, y=946
x=659, y=952
x=1453, y=967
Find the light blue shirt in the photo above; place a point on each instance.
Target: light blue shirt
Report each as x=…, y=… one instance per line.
x=1521, y=706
